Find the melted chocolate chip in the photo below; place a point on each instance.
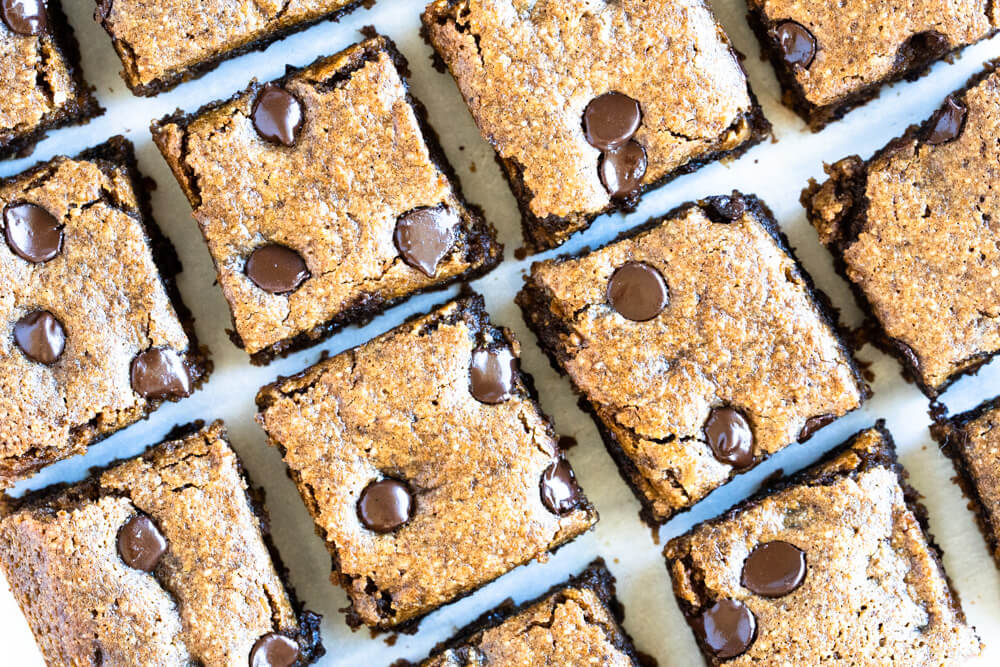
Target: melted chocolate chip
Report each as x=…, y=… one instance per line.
x=277, y=115
x=424, y=236
x=724, y=208
x=814, y=424
x=32, y=232
x=610, y=120
x=40, y=336
x=25, y=17
x=730, y=437
x=141, y=544
x=385, y=505
x=947, y=123
x=798, y=45
x=276, y=269
x=274, y=650
x=728, y=628
x=774, y=569
x=621, y=170
x=912, y=360
x=491, y=374
x=160, y=373
x=637, y=291
x=560, y=492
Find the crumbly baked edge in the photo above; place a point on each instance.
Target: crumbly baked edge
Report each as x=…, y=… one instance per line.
x=482, y=247
x=535, y=303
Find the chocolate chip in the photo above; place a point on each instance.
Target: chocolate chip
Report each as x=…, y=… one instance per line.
x=276, y=269
x=32, y=232
x=385, y=505
x=491, y=374
x=424, y=236
x=160, y=373
x=912, y=360
x=730, y=437
x=774, y=569
x=141, y=544
x=40, y=336
x=610, y=120
x=560, y=492
x=274, y=650
x=621, y=170
x=277, y=115
x=947, y=122
x=728, y=628
x=814, y=424
x=798, y=46
x=724, y=208
x=637, y=291
x=25, y=17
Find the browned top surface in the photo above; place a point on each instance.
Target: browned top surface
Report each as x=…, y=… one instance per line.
x=979, y=446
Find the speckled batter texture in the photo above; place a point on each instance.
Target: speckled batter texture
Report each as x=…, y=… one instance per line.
x=743, y=329
x=164, y=43
x=527, y=69
x=874, y=593
x=915, y=230
x=363, y=159
x=864, y=44
x=41, y=86
x=213, y=594
x=400, y=406
x=112, y=289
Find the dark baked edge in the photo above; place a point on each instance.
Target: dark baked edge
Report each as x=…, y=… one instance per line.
x=77, y=110
x=481, y=245
x=118, y=152
x=538, y=232
x=66, y=495
x=471, y=310
x=854, y=220
x=884, y=457
x=595, y=578
x=535, y=304
x=819, y=116
x=202, y=68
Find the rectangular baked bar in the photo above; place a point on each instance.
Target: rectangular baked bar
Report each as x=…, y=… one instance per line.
x=426, y=463
x=334, y=172
x=832, y=566
x=914, y=231
x=164, y=559
x=589, y=105
x=96, y=335
x=698, y=344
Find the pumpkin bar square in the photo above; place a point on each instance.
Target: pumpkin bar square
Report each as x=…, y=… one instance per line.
x=426, y=463
x=831, y=566
x=164, y=559
x=95, y=334
x=324, y=198
x=698, y=344
x=588, y=105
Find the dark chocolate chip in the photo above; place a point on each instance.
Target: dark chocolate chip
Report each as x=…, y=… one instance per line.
x=277, y=115
x=610, y=120
x=621, y=169
x=160, y=373
x=637, y=291
x=814, y=424
x=141, y=544
x=40, y=336
x=25, y=17
x=424, y=236
x=730, y=437
x=491, y=374
x=912, y=360
x=32, y=232
x=276, y=269
x=947, y=122
x=728, y=628
x=560, y=492
x=774, y=569
x=724, y=208
x=798, y=45
x=385, y=505
x=274, y=650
